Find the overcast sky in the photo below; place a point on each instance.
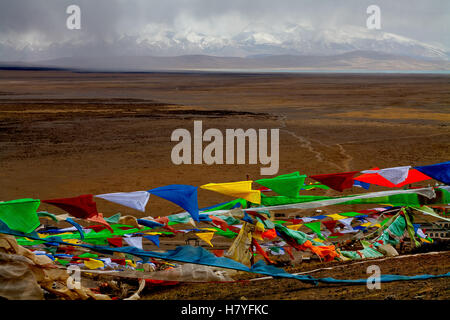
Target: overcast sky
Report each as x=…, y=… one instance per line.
x=36, y=29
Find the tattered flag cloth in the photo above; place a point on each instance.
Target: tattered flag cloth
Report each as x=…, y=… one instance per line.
x=20, y=215
x=136, y=200
x=99, y=218
x=336, y=181
x=390, y=178
x=183, y=195
x=438, y=171
x=82, y=207
x=240, y=189
x=288, y=185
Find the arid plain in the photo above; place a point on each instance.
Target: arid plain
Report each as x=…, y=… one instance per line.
x=68, y=133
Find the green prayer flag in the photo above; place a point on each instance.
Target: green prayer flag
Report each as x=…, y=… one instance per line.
x=315, y=226
x=350, y=214
x=288, y=185
x=63, y=262
x=20, y=215
x=88, y=255
x=299, y=236
x=228, y=234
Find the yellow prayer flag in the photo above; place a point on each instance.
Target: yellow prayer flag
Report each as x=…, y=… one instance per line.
x=72, y=241
x=294, y=226
x=240, y=189
x=93, y=263
x=259, y=226
x=336, y=216
x=206, y=236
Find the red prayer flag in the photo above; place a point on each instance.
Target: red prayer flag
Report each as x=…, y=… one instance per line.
x=82, y=207
x=261, y=251
x=219, y=222
x=116, y=241
x=330, y=225
x=269, y=234
x=336, y=181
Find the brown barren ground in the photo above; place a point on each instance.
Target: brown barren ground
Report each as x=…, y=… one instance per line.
x=63, y=134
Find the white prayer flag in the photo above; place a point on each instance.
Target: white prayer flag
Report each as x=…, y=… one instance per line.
x=136, y=200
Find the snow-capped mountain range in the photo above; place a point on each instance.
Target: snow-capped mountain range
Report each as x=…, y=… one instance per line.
x=286, y=39
x=254, y=39
x=158, y=47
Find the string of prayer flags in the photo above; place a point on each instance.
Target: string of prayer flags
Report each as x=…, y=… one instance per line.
x=135, y=200
x=336, y=181
x=240, y=189
x=183, y=195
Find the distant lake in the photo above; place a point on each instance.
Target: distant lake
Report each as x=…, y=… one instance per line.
x=322, y=71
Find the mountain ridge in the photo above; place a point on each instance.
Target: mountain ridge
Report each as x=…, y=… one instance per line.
x=353, y=60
